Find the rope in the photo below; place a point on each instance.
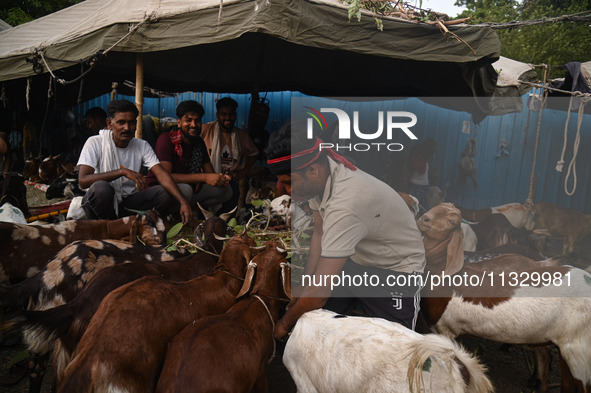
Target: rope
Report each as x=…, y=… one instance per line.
x=94, y=58
x=572, y=93
x=529, y=203
x=573, y=163
x=560, y=163
x=28, y=93
x=273, y=328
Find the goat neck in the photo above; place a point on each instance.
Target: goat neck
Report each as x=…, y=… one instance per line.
x=235, y=255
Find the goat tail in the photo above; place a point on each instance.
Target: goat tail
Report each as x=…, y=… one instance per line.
x=444, y=362
x=22, y=293
x=40, y=328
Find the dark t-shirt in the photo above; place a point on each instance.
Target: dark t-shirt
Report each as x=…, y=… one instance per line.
x=165, y=152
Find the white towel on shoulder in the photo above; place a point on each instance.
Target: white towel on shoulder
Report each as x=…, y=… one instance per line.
x=216, y=154
x=110, y=162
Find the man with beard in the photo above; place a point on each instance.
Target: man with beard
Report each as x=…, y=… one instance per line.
x=231, y=150
x=110, y=165
x=183, y=154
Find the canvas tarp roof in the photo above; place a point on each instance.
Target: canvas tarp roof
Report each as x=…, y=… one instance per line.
x=262, y=45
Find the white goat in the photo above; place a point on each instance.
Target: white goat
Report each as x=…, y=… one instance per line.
x=327, y=352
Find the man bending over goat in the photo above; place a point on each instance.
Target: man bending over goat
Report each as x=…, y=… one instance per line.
x=378, y=237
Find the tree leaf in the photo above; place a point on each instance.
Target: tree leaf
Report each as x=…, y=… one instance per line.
x=257, y=203
x=174, y=230
x=232, y=223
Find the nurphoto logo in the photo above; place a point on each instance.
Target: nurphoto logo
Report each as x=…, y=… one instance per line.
x=390, y=121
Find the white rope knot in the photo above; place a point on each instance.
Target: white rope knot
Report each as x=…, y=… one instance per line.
x=559, y=165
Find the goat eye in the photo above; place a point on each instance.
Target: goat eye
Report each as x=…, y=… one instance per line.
x=452, y=222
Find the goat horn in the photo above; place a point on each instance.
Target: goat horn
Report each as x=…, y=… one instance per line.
x=206, y=213
x=142, y=212
x=247, y=279
x=280, y=250
x=258, y=248
x=218, y=237
x=226, y=216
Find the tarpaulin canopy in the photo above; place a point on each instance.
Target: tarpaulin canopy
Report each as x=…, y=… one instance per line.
x=247, y=45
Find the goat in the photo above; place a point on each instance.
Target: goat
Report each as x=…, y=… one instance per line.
x=229, y=352
x=50, y=169
x=470, y=239
x=495, y=230
x=524, y=313
x=555, y=219
x=14, y=191
x=113, y=357
x=73, y=267
x=516, y=213
x=27, y=248
x=412, y=203
x=327, y=352
x=31, y=170
x=67, y=323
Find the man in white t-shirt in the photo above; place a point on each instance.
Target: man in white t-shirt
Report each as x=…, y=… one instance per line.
x=362, y=228
x=110, y=165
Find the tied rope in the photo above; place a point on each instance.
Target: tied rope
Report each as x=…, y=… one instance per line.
x=560, y=164
x=131, y=31
x=572, y=166
x=273, y=327
x=529, y=203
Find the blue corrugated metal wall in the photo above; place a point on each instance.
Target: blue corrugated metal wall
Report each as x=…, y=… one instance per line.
x=502, y=179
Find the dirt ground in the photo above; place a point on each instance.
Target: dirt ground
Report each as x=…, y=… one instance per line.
x=509, y=366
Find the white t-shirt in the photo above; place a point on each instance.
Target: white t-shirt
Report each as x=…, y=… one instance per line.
x=365, y=219
x=136, y=155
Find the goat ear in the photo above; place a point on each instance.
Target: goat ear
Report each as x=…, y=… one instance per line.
x=455, y=252
x=286, y=279
x=133, y=230
x=250, y=270
x=198, y=235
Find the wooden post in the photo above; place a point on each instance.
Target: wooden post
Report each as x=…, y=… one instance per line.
x=139, y=92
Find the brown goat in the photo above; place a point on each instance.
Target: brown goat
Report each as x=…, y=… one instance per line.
x=558, y=220
x=50, y=169
x=125, y=343
x=229, y=352
x=31, y=170
x=67, y=323
x=26, y=249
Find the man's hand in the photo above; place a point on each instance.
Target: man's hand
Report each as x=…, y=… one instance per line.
x=281, y=330
x=138, y=178
x=186, y=212
x=216, y=179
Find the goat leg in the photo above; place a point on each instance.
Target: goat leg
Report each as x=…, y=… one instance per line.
x=37, y=366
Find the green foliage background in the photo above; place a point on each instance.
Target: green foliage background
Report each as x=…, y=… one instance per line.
x=16, y=12
x=554, y=43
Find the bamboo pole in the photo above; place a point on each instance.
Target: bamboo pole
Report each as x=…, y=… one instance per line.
x=139, y=92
